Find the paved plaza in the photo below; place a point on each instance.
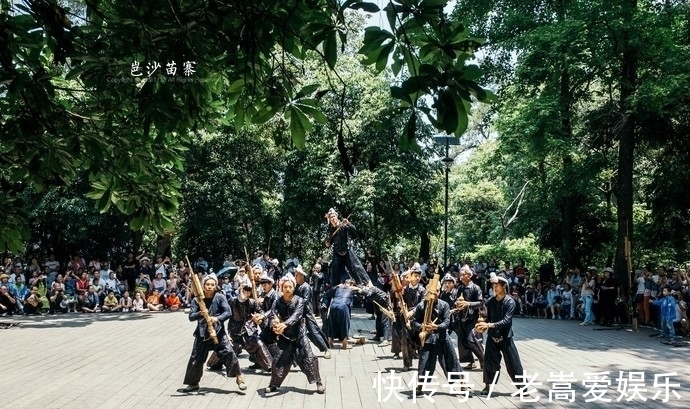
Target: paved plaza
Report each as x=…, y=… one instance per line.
x=123, y=361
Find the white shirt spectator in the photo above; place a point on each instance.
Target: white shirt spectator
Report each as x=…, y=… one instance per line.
x=111, y=284
x=53, y=265
x=423, y=267
x=162, y=268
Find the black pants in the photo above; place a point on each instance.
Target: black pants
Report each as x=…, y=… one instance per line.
x=314, y=333
x=608, y=307
x=200, y=350
x=350, y=261
x=298, y=351
x=443, y=352
x=401, y=340
x=492, y=360
x=256, y=348
x=469, y=342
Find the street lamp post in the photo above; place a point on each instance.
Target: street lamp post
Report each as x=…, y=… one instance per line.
x=447, y=163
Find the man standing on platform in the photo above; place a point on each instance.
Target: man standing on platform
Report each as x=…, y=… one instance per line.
x=344, y=257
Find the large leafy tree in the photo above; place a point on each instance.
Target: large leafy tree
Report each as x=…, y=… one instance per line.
x=230, y=194
x=583, y=105
x=89, y=90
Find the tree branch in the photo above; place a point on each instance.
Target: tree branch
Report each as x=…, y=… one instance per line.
x=519, y=198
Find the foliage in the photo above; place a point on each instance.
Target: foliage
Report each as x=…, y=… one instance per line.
x=230, y=179
x=64, y=222
x=72, y=103
x=512, y=250
x=570, y=117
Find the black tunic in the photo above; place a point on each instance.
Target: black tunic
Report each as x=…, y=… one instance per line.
x=469, y=341
x=217, y=307
x=412, y=297
x=314, y=332
x=344, y=258
x=246, y=334
x=500, y=341
x=437, y=345
x=292, y=345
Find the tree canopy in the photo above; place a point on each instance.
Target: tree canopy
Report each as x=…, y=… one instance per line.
x=119, y=91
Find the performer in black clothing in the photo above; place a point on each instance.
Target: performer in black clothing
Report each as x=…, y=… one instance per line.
x=292, y=344
x=437, y=345
x=468, y=304
x=219, y=311
x=414, y=294
x=339, y=233
x=449, y=294
x=268, y=296
x=609, y=291
x=314, y=333
x=243, y=327
x=376, y=295
x=499, y=323
x=401, y=342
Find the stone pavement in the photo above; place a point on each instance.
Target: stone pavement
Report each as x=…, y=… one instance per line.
x=124, y=361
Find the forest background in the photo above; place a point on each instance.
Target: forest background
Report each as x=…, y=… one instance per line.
x=310, y=105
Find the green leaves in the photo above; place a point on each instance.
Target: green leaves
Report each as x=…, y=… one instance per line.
x=430, y=52
x=299, y=125
x=377, y=46
x=298, y=112
x=360, y=5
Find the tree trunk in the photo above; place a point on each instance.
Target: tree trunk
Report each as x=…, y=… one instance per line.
x=425, y=245
x=626, y=145
x=163, y=245
x=568, y=199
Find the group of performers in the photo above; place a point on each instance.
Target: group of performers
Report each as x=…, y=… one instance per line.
x=276, y=324
x=272, y=329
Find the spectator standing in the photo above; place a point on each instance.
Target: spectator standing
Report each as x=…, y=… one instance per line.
x=668, y=314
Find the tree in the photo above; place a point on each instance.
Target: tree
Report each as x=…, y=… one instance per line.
x=91, y=92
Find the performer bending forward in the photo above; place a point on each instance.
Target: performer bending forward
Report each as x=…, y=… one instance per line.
x=292, y=344
x=219, y=311
x=499, y=323
x=343, y=254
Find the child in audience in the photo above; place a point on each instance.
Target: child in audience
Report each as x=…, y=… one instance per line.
x=126, y=302
x=153, y=303
x=138, y=303
x=667, y=304
x=173, y=301
x=110, y=302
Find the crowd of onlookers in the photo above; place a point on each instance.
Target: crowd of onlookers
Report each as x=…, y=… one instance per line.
x=134, y=284
x=658, y=296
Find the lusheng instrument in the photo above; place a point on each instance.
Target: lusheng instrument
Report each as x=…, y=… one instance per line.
x=198, y=292
x=386, y=311
x=466, y=311
x=398, y=291
x=250, y=273
x=431, y=297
